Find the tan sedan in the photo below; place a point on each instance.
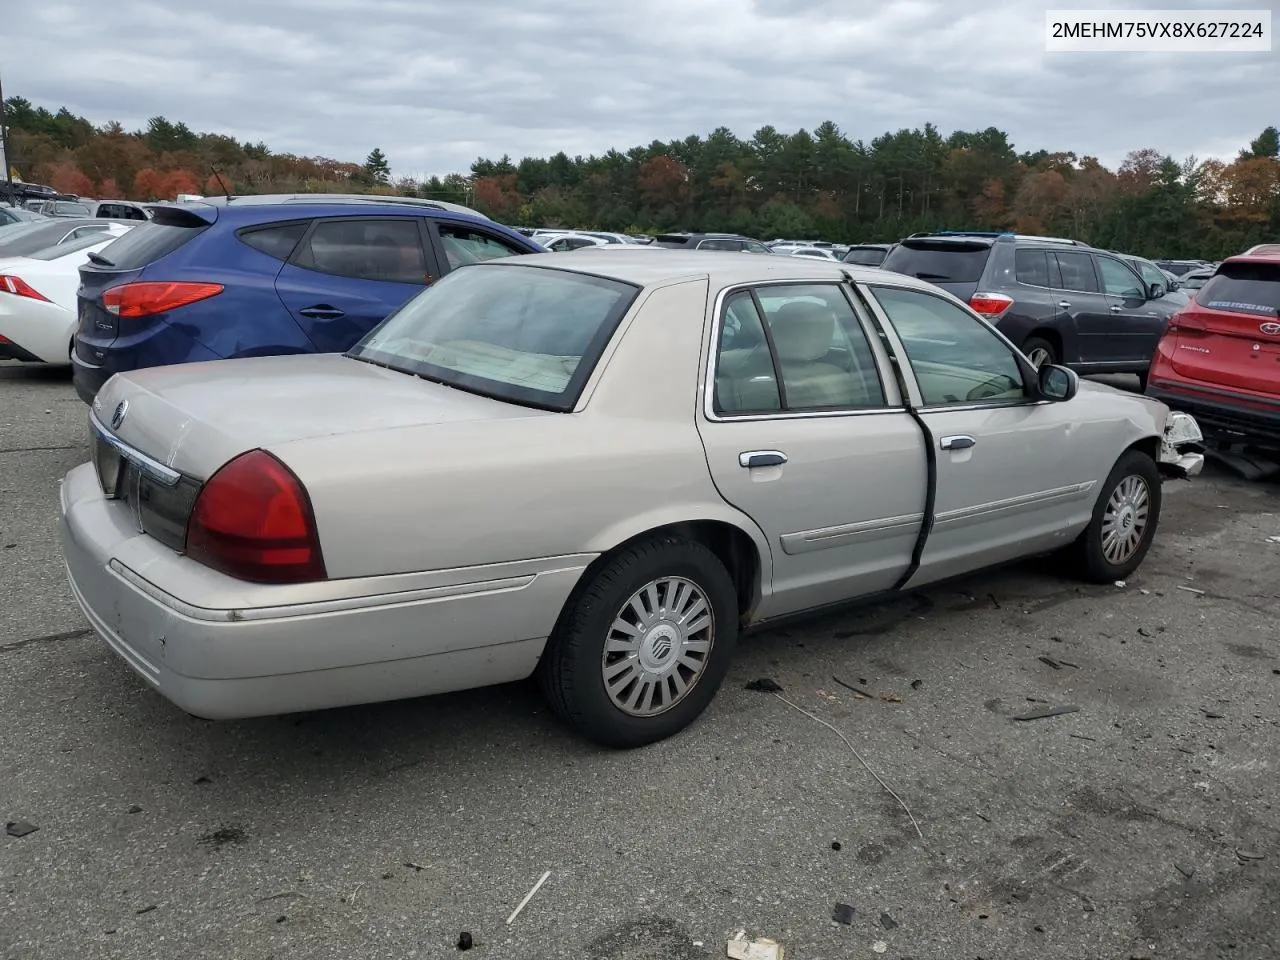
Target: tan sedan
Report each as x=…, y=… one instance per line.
x=596, y=468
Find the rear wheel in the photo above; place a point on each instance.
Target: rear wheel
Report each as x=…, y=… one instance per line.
x=644, y=645
x=1039, y=351
x=1124, y=521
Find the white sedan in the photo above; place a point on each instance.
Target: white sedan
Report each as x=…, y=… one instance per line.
x=38, y=298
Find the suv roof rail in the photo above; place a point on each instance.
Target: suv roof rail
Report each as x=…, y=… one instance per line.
x=996, y=235
x=354, y=198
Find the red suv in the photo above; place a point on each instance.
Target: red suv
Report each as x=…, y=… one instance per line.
x=1219, y=358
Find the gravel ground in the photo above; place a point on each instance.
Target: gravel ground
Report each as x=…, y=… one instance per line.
x=1141, y=826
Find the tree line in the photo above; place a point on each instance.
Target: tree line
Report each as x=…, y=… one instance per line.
x=818, y=184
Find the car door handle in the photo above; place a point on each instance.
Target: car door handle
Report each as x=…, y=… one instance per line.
x=322, y=311
x=1115, y=308
x=761, y=458
x=1064, y=304
x=959, y=442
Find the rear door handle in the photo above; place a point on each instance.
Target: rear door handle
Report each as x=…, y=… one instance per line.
x=957, y=443
x=1064, y=304
x=761, y=458
x=322, y=311
x=1116, y=309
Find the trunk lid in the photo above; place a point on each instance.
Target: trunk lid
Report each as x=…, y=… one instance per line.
x=195, y=417
x=1229, y=335
x=124, y=261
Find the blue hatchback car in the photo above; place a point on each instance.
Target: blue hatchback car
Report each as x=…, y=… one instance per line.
x=211, y=281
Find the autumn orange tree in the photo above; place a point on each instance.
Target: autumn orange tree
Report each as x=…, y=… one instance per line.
x=807, y=183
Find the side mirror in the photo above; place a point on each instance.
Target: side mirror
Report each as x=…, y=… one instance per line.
x=1057, y=383
x=1155, y=291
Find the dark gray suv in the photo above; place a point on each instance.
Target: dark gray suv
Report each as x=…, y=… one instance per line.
x=1060, y=301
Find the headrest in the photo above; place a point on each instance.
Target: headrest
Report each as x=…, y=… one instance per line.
x=803, y=331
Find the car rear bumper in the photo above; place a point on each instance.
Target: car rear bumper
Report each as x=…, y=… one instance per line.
x=34, y=331
x=368, y=645
x=1223, y=418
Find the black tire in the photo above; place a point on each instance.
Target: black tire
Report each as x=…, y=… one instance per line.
x=571, y=672
x=1088, y=553
x=1033, y=344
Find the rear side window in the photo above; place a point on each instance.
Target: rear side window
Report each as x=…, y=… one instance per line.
x=1032, y=267
x=939, y=261
x=720, y=244
x=148, y=242
x=277, y=240
x=1252, y=288
x=372, y=249
x=1077, y=272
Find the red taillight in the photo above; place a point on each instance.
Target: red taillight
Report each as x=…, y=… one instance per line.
x=148, y=298
x=253, y=520
x=20, y=287
x=990, y=305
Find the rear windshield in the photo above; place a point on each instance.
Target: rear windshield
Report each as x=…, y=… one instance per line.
x=24, y=239
x=148, y=242
x=939, y=261
x=865, y=256
x=72, y=210
x=527, y=335
x=1243, y=288
x=71, y=246
x=671, y=240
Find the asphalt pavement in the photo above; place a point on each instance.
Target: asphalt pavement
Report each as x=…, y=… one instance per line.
x=1142, y=825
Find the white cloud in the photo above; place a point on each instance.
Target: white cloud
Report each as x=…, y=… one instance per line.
x=435, y=83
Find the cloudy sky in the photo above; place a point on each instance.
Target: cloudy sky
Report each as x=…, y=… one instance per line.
x=436, y=83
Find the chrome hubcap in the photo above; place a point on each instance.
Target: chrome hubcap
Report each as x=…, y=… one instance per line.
x=1125, y=520
x=658, y=646
x=1039, y=357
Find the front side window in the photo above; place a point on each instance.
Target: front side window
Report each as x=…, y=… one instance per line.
x=464, y=245
x=794, y=347
x=372, y=249
x=955, y=357
x=526, y=335
x=1118, y=280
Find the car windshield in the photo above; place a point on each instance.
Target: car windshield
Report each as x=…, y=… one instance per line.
x=945, y=260
x=1243, y=288
x=528, y=335
x=865, y=256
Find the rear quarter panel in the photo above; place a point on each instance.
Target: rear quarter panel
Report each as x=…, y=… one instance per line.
x=454, y=495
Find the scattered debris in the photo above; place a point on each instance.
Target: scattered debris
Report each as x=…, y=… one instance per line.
x=765, y=685
x=1186, y=870
x=414, y=866
x=866, y=766
x=1047, y=712
x=527, y=897
x=464, y=941
x=222, y=836
x=887, y=921
x=916, y=684
x=1273, y=539
x=1081, y=736
x=134, y=809
x=994, y=602
x=982, y=816
x=740, y=948
x=19, y=828
x=1246, y=855
x=879, y=946
x=835, y=845
x=1144, y=632
x=890, y=698
x=388, y=876
x=858, y=690
x=842, y=913
x=1211, y=715
x=200, y=781
x=1050, y=662
x=146, y=910
x=1199, y=593
x=1120, y=584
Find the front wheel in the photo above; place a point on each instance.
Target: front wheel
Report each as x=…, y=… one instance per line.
x=1039, y=351
x=644, y=645
x=1124, y=521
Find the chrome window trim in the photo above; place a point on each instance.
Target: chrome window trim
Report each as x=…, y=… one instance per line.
x=154, y=469
x=713, y=358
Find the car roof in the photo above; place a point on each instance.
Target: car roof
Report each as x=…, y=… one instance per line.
x=260, y=211
x=645, y=268
x=256, y=199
